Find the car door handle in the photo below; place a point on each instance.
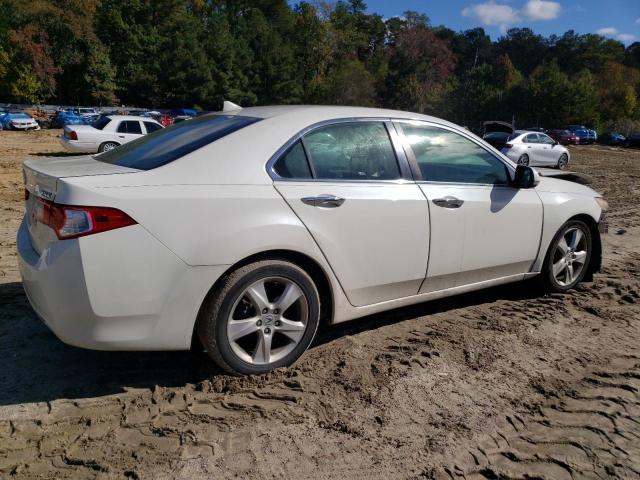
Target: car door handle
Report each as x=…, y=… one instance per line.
x=448, y=202
x=326, y=201
x=120, y=136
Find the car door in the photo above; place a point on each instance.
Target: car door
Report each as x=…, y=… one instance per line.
x=481, y=227
x=128, y=130
x=551, y=153
x=370, y=219
x=534, y=149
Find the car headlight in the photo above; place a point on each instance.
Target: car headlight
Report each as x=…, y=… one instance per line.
x=602, y=203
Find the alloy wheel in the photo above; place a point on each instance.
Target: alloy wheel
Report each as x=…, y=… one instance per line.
x=562, y=162
x=523, y=160
x=570, y=256
x=268, y=320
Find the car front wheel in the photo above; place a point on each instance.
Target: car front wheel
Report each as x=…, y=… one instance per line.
x=563, y=161
x=568, y=257
x=263, y=316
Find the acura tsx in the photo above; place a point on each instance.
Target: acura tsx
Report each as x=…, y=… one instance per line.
x=243, y=229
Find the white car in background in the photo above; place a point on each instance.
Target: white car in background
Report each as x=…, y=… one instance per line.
x=107, y=133
x=535, y=149
x=245, y=228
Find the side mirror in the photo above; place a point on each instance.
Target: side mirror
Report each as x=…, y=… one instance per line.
x=525, y=177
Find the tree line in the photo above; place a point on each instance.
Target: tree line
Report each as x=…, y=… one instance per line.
x=170, y=53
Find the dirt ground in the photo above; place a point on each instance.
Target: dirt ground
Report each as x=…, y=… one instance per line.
x=502, y=383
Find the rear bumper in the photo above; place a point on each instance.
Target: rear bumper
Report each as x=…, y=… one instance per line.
x=117, y=290
x=76, y=146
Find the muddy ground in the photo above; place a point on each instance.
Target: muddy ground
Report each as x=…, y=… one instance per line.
x=503, y=383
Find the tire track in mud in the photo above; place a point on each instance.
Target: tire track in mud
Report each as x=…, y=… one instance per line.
x=591, y=432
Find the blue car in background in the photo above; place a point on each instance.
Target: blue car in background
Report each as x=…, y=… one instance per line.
x=612, y=138
x=585, y=135
x=66, y=117
x=183, y=112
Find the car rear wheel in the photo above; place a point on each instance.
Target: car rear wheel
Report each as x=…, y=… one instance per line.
x=262, y=317
x=568, y=257
x=106, y=146
x=523, y=160
x=563, y=161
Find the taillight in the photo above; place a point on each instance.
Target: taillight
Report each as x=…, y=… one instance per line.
x=73, y=222
x=72, y=135
x=508, y=145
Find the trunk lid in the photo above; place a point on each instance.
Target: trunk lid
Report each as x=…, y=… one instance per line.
x=42, y=180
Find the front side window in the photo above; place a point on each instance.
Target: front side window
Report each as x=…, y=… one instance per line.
x=352, y=151
x=168, y=144
x=446, y=156
x=546, y=139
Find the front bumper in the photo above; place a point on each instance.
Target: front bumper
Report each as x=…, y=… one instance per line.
x=117, y=290
x=24, y=126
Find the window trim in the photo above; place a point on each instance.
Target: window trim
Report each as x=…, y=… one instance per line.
x=414, y=162
x=401, y=158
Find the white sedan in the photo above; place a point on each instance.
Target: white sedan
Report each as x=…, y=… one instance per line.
x=106, y=133
x=243, y=229
x=535, y=149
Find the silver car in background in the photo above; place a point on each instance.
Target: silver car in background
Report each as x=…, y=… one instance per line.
x=535, y=149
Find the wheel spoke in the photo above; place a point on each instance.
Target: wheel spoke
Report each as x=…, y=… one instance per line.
x=292, y=329
x=290, y=295
x=580, y=257
x=569, y=274
x=258, y=296
x=575, y=239
x=562, y=245
x=262, y=353
x=237, y=329
x=559, y=267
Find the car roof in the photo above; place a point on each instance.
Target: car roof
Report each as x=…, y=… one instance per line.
x=130, y=117
x=324, y=112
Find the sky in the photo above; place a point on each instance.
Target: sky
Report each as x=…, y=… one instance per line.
x=619, y=19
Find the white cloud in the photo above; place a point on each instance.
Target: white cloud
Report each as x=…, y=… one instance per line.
x=491, y=13
x=607, y=31
x=626, y=37
x=541, y=10
x=501, y=15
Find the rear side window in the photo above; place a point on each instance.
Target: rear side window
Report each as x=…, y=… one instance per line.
x=168, y=144
x=293, y=164
x=130, y=126
x=151, y=127
x=352, y=151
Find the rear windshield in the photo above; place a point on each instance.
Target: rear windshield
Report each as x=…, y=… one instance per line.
x=101, y=122
x=166, y=145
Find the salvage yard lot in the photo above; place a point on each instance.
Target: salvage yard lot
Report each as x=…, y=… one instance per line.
x=499, y=382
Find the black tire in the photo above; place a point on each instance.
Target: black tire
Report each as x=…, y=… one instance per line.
x=523, y=160
x=563, y=161
x=217, y=309
x=547, y=278
x=107, y=146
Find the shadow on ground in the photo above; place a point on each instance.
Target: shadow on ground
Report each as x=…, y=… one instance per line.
x=55, y=154
x=37, y=367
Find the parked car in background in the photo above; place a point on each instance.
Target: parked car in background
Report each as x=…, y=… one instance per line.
x=183, y=112
x=585, y=135
x=244, y=229
x=66, y=117
x=107, y=133
x=85, y=111
x=497, y=139
x=536, y=149
x=181, y=118
x=612, y=138
x=632, y=140
x=18, y=121
x=564, y=137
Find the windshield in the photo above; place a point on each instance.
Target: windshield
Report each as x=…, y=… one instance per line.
x=166, y=145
